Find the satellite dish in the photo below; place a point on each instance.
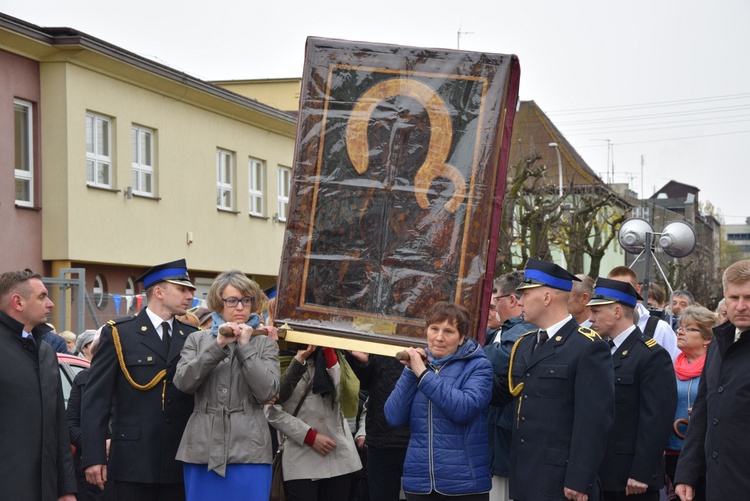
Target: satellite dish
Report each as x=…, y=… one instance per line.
x=677, y=239
x=632, y=235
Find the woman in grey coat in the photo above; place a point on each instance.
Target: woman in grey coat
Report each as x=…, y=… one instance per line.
x=319, y=454
x=226, y=446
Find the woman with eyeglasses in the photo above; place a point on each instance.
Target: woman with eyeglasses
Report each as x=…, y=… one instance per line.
x=693, y=337
x=226, y=446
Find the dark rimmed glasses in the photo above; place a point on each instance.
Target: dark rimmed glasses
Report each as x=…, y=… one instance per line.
x=232, y=302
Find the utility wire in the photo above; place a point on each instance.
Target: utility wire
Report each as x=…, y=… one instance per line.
x=604, y=109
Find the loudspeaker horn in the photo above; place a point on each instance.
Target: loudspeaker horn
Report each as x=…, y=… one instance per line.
x=677, y=239
x=632, y=235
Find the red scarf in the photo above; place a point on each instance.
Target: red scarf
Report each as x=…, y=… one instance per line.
x=688, y=370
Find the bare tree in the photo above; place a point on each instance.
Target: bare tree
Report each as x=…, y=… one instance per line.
x=530, y=210
x=592, y=216
x=582, y=222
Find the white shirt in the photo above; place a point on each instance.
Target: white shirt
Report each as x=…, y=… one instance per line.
x=621, y=338
x=157, y=321
x=552, y=329
x=663, y=335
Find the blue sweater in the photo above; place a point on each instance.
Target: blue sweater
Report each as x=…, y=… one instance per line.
x=448, y=450
x=686, y=392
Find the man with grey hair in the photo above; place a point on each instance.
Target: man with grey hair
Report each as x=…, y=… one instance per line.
x=681, y=299
x=500, y=418
x=579, y=297
x=37, y=461
x=721, y=311
x=713, y=445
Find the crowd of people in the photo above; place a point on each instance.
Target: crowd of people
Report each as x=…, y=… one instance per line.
x=578, y=390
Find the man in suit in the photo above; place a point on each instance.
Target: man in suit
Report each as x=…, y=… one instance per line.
x=133, y=367
x=34, y=442
x=562, y=377
x=646, y=396
x=716, y=443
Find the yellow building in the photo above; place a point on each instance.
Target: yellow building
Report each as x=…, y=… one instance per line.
x=137, y=164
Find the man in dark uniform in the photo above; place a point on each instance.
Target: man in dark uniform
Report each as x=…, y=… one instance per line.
x=645, y=396
x=134, y=366
x=562, y=377
x=509, y=312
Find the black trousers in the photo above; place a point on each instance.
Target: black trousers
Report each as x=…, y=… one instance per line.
x=384, y=469
x=134, y=491
x=325, y=489
x=434, y=496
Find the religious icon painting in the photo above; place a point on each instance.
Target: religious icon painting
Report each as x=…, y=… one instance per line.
x=397, y=185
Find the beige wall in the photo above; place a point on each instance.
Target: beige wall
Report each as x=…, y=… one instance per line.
x=94, y=225
x=281, y=93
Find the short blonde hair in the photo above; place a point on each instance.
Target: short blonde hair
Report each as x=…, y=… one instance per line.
x=69, y=337
x=238, y=280
x=737, y=273
x=704, y=318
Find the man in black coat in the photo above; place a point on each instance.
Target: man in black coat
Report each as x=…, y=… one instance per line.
x=386, y=445
x=134, y=365
x=37, y=463
x=562, y=377
x=716, y=440
x=645, y=397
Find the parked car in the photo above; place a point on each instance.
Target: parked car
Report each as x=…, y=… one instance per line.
x=70, y=365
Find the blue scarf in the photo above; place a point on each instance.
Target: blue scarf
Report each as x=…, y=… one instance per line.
x=253, y=321
x=439, y=361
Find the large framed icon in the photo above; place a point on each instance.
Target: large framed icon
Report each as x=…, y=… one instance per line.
x=396, y=191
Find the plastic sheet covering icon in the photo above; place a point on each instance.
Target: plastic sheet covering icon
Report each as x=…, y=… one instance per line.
x=396, y=189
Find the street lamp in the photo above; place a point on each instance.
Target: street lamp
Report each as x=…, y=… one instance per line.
x=636, y=236
x=559, y=168
x=560, y=191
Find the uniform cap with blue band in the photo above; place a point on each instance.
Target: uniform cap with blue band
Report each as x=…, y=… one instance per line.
x=608, y=291
x=540, y=273
x=174, y=272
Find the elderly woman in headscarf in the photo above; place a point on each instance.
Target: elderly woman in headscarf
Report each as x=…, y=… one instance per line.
x=226, y=446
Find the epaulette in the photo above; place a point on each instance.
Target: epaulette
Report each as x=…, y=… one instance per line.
x=121, y=320
x=526, y=334
x=589, y=333
x=648, y=341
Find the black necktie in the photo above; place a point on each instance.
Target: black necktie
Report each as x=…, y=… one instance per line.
x=165, y=335
x=543, y=337
x=611, y=343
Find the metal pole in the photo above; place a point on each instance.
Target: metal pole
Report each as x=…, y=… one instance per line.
x=647, y=272
x=559, y=169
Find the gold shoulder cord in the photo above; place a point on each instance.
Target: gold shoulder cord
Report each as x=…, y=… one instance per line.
x=515, y=390
x=162, y=373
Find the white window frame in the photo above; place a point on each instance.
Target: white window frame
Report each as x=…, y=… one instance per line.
x=224, y=186
x=143, y=167
x=26, y=173
x=95, y=157
x=284, y=187
x=256, y=175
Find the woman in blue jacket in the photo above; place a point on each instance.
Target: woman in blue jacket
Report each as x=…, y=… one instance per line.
x=443, y=394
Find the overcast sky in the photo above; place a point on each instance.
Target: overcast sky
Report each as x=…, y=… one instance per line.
x=665, y=80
